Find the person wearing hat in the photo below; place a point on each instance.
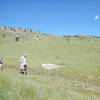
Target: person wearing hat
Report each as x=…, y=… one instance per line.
x=23, y=66
x=1, y=63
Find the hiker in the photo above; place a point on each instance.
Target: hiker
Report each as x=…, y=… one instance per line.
x=23, y=66
x=1, y=63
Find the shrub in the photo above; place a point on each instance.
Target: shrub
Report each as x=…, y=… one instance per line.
x=25, y=30
x=30, y=30
x=3, y=35
x=17, y=39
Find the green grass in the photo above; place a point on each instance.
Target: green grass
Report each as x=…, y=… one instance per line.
x=78, y=79
x=20, y=87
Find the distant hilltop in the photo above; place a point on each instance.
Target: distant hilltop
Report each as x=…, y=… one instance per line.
x=26, y=33
x=37, y=35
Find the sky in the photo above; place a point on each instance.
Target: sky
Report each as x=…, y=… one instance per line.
x=58, y=17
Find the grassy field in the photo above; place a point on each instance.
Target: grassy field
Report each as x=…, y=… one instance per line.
x=78, y=79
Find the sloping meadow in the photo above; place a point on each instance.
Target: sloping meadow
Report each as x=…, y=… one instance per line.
x=77, y=79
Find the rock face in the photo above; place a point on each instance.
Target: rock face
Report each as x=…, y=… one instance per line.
x=50, y=66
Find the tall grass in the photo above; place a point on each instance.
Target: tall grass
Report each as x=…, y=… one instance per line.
x=22, y=88
x=78, y=79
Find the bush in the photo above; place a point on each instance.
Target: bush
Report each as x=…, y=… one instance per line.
x=17, y=39
x=3, y=35
x=30, y=30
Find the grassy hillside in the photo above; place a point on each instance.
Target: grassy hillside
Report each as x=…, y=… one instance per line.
x=78, y=79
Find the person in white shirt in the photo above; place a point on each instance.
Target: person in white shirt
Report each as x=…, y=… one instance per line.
x=23, y=66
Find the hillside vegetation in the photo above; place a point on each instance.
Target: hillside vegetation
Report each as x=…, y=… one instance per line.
x=78, y=79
